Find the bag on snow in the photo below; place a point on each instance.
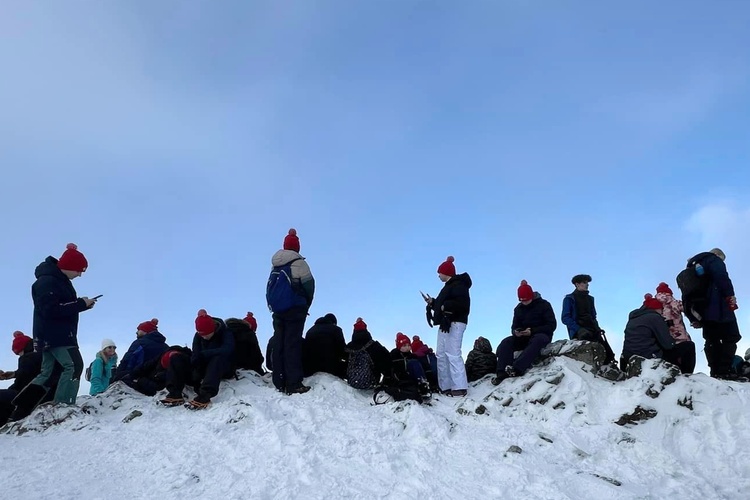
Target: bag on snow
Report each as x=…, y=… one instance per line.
x=401, y=391
x=281, y=292
x=359, y=370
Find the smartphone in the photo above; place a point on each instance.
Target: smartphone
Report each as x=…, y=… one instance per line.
x=98, y=296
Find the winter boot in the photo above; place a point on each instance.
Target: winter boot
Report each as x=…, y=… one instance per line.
x=300, y=389
x=458, y=393
x=510, y=371
x=173, y=400
x=200, y=402
x=26, y=401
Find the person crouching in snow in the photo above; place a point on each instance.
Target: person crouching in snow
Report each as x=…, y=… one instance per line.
x=213, y=347
x=103, y=367
x=405, y=365
x=450, y=310
x=481, y=360
x=672, y=309
x=426, y=356
x=533, y=325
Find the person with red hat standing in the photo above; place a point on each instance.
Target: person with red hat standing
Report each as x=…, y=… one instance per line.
x=533, y=326
x=289, y=293
x=56, y=310
x=647, y=335
x=672, y=310
x=29, y=366
x=450, y=310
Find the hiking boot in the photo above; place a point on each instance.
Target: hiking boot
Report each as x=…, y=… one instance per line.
x=300, y=389
x=173, y=400
x=510, y=371
x=458, y=393
x=499, y=378
x=199, y=402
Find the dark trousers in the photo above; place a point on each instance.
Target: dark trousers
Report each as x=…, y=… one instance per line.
x=207, y=374
x=287, y=348
x=531, y=347
x=682, y=355
x=596, y=336
x=415, y=370
x=6, y=406
x=178, y=374
x=429, y=365
x=721, y=345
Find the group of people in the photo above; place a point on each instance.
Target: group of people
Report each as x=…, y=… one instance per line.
x=50, y=364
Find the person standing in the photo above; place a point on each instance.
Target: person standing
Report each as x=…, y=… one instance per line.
x=450, y=310
x=103, y=367
x=716, y=307
x=579, y=315
x=289, y=294
x=56, y=310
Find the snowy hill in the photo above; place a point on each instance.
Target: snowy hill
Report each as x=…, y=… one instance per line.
x=556, y=433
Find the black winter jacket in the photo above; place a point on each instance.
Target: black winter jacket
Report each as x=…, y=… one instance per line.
x=221, y=344
x=646, y=334
x=29, y=366
x=56, y=307
x=381, y=358
x=453, y=300
x=323, y=348
x=537, y=315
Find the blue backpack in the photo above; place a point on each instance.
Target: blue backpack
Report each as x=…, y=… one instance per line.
x=281, y=292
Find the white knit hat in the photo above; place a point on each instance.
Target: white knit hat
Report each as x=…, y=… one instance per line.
x=108, y=343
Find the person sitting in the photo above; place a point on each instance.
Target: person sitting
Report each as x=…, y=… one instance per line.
x=579, y=315
x=481, y=360
x=211, y=360
x=137, y=364
x=175, y=369
x=672, y=310
x=323, y=348
x=427, y=357
x=103, y=367
x=247, y=355
x=533, y=325
x=405, y=365
x=29, y=366
x=368, y=360
x=647, y=335
x=741, y=366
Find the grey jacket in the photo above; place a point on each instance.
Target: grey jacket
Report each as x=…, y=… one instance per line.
x=646, y=334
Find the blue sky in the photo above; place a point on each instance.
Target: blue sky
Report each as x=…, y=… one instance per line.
x=177, y=142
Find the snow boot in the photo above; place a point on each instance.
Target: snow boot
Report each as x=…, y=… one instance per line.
x=200, y=402
x=300, y=389
x=173, y=400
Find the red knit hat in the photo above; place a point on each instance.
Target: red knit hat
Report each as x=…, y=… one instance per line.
x=204, y=324
x=416, y=343
x=402, y=340
x=649, y=302
x=525, y=292
x=20, y=341
x=664, y=288
x=166, y=357
x=148, y=326
x=72, y=259
x=291, y=241
x=447, y=268
x=360, y=325
x=250, y=319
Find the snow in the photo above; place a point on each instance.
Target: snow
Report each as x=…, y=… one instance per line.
x=332, y=442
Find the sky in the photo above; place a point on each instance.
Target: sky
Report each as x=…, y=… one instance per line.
x=176, y=143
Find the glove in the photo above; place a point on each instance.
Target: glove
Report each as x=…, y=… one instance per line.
x=445, y=324
x=430, y=319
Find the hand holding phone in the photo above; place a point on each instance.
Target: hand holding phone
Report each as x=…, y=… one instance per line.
x=97, y=297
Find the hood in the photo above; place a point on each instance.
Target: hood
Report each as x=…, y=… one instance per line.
x=642, y=311
x=482, y=345
x=49, y=268
x=537, y=296
x=283, y=257
x=463, y=278
x=361, y=336
x=328, y=319
x=156, y=336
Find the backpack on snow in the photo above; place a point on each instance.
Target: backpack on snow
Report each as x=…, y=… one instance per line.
x=691, y=284
x=281, y=292
x=401, y=391
x=359, y=370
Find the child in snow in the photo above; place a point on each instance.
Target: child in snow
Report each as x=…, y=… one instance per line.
x=103, y=367
x=672, y=313
x=405, y=365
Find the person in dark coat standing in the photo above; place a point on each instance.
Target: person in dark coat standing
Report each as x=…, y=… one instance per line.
x=213, y=347
x=714, y=312
x=481, y=360
x=323, y=348
x=138, y=363
x=56, y=310
x=579, y=315
x=647, y=335
x=450, y=310
x=289, y=325
x=533, y=325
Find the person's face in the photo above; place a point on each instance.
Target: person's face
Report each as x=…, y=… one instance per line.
x=582, y=286
x=405, y=348
x=72, y=274
x=207, y=337
x=110, y=351
x=139, y=333
x=525, y=302
x=443, y=277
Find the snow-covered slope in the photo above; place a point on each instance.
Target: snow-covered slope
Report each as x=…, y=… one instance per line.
x=332, y=442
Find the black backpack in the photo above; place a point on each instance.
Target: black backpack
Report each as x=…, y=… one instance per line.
x=247, y=353
x=88, y=371
x=692, y=285
x=359, y=370
x=401, y=391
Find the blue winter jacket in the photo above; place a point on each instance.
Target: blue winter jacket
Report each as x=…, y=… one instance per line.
x=719, y=288
x=101, y=373
x=142, y=350
x=56, y=307
x=570, y=316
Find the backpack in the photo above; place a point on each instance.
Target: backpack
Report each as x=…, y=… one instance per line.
x=691, y=285
x=359, y=369
x=88, y=371
x=281, y=292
